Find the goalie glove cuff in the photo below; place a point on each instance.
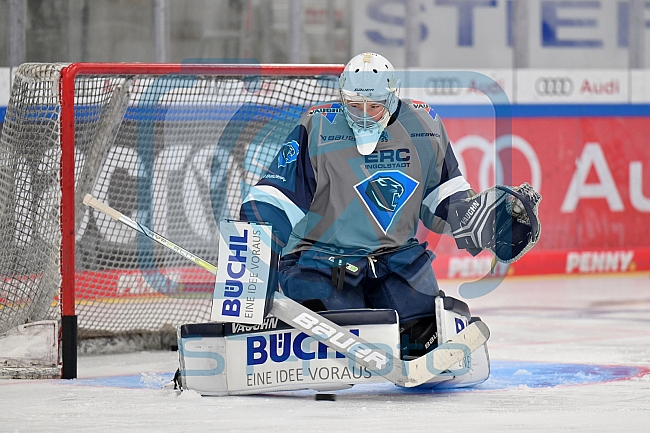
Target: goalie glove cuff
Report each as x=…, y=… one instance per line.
x=502, y=219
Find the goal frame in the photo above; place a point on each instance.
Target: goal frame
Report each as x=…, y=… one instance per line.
x=66, y=93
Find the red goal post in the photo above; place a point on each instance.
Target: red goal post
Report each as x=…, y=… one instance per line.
x=208, y=120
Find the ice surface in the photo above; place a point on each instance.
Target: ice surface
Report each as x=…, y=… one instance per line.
x=568, y=354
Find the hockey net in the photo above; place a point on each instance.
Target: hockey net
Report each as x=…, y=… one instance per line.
x=175, y=147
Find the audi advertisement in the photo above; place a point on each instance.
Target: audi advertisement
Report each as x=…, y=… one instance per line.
x=577, y=86
x=532, y=86
x=594, y=176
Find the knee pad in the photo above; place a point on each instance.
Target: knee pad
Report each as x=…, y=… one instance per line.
x=452, y=316
x=419, y=336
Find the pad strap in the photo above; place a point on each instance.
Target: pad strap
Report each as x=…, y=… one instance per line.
x=338, y=273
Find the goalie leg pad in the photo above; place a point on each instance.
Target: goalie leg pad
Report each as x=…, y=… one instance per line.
x=452, y=316
x=233, y=358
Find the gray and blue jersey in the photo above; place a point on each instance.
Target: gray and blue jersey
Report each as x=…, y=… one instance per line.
x=326, y=195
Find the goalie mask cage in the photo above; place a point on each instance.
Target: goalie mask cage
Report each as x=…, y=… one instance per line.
x=175, y=147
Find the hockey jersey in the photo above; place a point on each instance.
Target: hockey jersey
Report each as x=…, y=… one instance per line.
x=327, y=196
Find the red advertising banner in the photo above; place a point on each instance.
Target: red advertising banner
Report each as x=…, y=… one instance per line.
x=594, y=177
x=593, y=174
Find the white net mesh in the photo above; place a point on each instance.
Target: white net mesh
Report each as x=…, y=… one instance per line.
x=176, y=153
x=29, y=203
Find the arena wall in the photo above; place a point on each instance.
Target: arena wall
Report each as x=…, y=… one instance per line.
x=578, y=136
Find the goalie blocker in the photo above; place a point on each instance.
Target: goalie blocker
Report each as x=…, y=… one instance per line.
x=234, y=358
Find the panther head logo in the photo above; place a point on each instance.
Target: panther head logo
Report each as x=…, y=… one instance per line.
x=385, y=192
x=288, y=153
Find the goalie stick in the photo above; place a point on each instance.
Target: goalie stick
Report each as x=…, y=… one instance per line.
x=404, y=373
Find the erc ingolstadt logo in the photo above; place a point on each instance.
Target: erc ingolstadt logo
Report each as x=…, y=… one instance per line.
x=384, y=193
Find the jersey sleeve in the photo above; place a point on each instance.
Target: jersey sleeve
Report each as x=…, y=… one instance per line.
x=284, y=193
x=448, y=185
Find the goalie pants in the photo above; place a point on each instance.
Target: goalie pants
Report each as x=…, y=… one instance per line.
x=403, y=281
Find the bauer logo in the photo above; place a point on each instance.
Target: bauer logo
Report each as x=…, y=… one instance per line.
x=373, y=357
x=242, y=275
x=337, y=137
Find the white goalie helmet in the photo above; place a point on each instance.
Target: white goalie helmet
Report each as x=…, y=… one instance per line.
x=369, y=95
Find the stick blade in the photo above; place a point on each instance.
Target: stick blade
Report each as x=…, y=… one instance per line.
x=483, y=328
x=91, y=201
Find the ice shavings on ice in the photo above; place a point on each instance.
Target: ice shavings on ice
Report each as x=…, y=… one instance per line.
x=144, y=380
x=154, y=380
x=508, y=374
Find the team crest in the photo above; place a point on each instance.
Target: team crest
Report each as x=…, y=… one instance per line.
x=421, y=104
x=288, y=153
x=385, y=193
x=328, y=111
x=384, y=137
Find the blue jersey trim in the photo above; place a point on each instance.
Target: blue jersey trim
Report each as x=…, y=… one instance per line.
x=292, y=112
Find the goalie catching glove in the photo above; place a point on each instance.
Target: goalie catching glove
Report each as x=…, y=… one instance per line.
x=502, y=219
